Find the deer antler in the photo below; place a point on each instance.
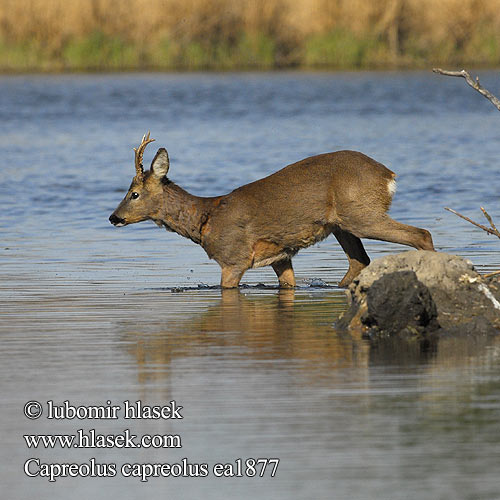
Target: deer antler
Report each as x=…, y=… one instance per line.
x=139, y=152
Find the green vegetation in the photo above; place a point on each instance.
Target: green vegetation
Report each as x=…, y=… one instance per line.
x=98, y=51
x=101, y=52
x=336, y=50
x=342, y=49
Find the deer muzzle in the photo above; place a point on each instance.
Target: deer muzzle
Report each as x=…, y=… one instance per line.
x=117, y=221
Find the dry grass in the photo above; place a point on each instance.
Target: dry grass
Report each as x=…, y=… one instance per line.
x=58, y=34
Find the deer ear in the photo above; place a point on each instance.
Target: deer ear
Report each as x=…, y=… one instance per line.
x=160, y=163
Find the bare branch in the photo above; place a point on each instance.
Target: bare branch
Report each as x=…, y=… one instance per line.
x=489, y=219
x=491, y=230
x=489, y=275
x=473, y=83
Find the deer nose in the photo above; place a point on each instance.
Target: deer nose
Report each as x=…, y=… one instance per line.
x=116, y=220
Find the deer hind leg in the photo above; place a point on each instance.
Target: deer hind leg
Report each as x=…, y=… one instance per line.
x=284, y=271
x=358, y=258
x=387, y=229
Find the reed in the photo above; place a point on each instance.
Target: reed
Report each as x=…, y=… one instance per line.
x=231, y=34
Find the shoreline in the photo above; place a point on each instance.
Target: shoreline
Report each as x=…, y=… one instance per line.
x=237, y=71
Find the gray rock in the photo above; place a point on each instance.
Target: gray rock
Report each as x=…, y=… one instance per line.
x=419, y=292
x=433, y=269
x=399, y=300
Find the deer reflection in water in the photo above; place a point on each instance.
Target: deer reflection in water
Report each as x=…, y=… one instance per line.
x=288, y=326
x=284, y=324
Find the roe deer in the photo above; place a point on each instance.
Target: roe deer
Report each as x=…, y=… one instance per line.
x=268, y=221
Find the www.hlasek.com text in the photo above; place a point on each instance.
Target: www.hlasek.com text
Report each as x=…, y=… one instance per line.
x=93, y=439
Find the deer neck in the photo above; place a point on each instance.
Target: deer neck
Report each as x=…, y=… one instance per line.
x=182, y=212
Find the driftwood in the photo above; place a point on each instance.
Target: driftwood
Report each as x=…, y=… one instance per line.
x=473, y=83
x=489, y=275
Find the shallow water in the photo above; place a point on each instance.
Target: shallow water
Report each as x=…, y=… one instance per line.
x=91, y=313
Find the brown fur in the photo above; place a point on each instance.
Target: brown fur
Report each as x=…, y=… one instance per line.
x=268, y=221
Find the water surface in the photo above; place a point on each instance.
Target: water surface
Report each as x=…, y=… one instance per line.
x=92, y=313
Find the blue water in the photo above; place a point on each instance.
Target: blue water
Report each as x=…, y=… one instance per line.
x=89, y=312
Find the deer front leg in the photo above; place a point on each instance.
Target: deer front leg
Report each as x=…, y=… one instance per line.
x=230, y=277
x=284, y=271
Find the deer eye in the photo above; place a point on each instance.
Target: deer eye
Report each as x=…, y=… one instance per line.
x=134, y=195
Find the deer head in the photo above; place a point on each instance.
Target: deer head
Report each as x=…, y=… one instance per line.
x=144, y=197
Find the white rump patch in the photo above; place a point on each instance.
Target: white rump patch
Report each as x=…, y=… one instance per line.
x=391, y=187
